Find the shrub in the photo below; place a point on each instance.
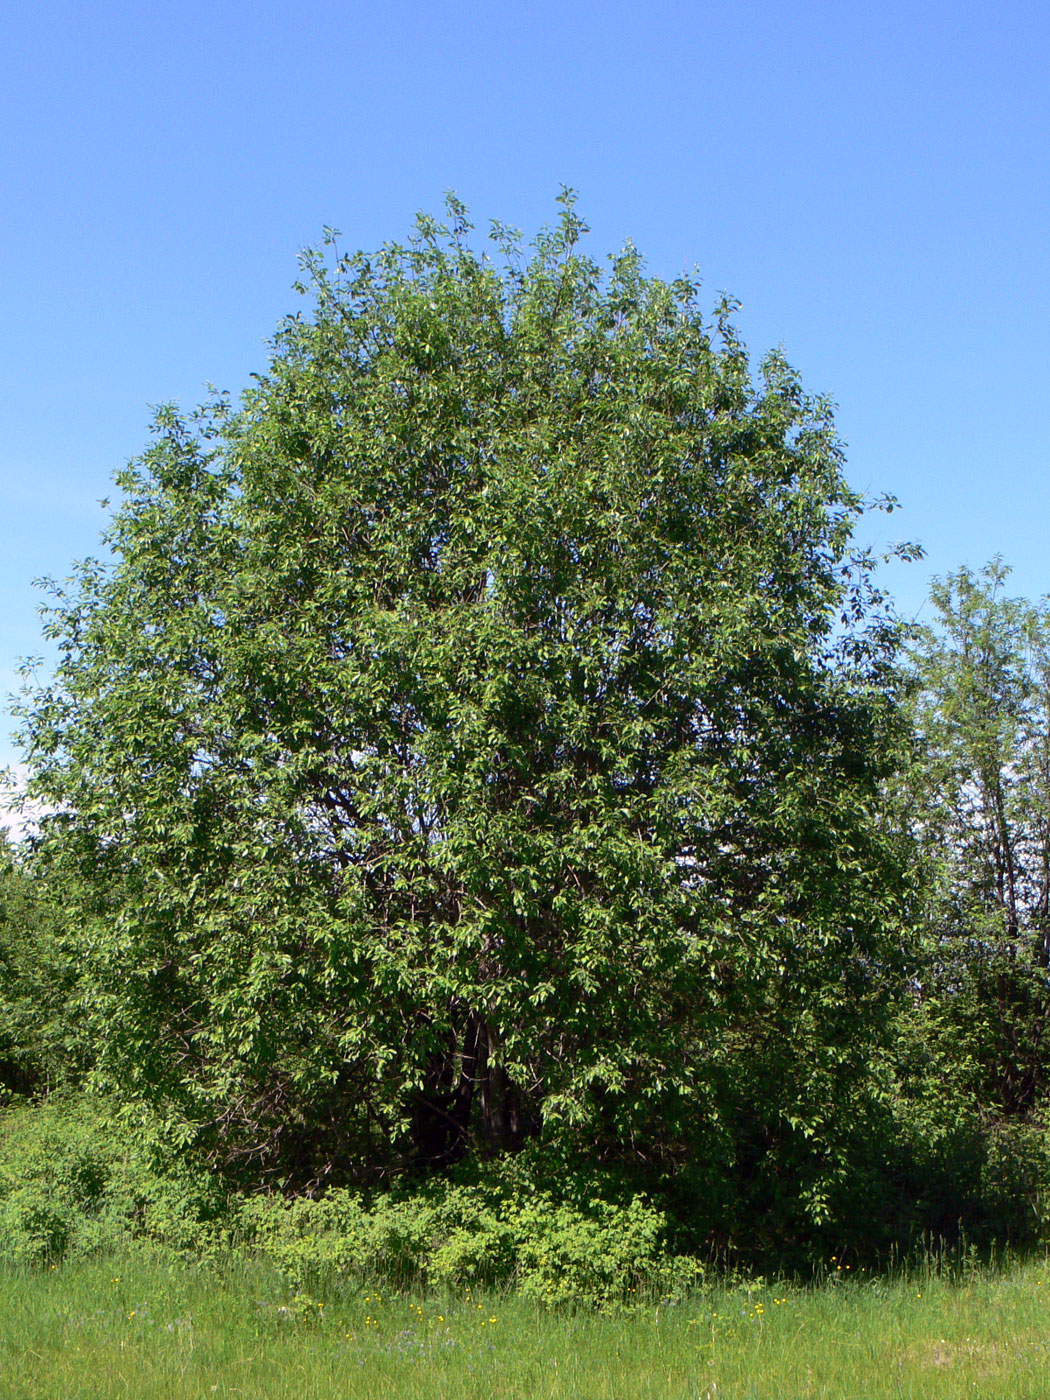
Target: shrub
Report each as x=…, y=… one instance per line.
x=489, y=1231
x=77, y=1177
x=35, y=1228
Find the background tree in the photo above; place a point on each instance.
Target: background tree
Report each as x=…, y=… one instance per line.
x=40, y=1044
x=478, y=735
x=980, y=809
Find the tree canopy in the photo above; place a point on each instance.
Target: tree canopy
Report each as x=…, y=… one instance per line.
x=978, y=804
x=476, y=735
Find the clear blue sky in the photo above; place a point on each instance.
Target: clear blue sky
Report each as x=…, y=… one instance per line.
x=870, y=180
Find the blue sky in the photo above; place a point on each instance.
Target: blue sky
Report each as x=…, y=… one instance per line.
x=872, y=182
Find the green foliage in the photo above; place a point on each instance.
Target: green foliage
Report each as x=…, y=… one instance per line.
x=35, y=1228
x=490, y=1232
x=478, y=737
x=483, y=826
x=976, y=802
x=77, y=1179
x=926, y=1165
x=41, y=1044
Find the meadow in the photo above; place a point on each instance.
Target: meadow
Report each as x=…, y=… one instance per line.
x=152, y=1330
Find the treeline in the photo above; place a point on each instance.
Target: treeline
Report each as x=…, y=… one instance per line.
x=486, y=770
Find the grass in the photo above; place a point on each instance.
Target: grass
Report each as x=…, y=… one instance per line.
x=145, y=1329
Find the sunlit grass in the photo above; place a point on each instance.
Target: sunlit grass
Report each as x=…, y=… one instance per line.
x=144, y=1329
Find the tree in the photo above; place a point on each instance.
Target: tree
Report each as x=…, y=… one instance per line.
x=980, y=812
x=477, y=735
x=39, y=1044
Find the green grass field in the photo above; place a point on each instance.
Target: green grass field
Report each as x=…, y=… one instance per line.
x=170, y=1332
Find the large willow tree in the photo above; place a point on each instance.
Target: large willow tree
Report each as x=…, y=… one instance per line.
x=476, y=734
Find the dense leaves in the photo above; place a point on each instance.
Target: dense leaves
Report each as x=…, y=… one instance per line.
x=41, y=1044
x=978, y=806
x=479, y=735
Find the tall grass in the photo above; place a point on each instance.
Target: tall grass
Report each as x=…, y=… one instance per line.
x=139, y=1327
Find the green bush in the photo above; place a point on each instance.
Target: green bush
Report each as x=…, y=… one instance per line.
x=494, y=1232
x=78, y=1178
x=1015, y=1181
x=926, y=1165
x=35, y=1228
x=43, y=1043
